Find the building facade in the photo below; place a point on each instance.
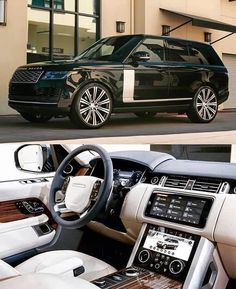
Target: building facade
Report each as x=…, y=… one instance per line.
x=39, y=30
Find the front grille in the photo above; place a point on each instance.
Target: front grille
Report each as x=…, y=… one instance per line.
x=26, y=76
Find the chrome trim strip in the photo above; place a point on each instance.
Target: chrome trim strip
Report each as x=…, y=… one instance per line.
x=201, y=261
x=32, y=102
x=128, y=86
x=162, y=100
x=136, y=246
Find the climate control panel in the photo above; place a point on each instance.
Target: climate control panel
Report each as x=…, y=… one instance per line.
x=166, y=251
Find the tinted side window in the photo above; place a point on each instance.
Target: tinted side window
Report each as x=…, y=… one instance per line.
x=209, y=54
x=177, y=51
x=155, y=47
x=196, y=56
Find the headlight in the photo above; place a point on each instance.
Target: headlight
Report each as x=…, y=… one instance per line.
x=51, y=75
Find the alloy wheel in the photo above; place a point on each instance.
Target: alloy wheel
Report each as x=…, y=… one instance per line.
x=95, y=106
x=206, y=104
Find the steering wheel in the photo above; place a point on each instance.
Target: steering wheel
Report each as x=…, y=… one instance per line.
x=84, y=195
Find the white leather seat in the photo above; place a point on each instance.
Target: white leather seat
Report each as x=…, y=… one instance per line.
x=45, y=281
x=94, y=268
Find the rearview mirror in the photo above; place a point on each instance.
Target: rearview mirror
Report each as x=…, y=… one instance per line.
x=141, y=56
x=34, y=158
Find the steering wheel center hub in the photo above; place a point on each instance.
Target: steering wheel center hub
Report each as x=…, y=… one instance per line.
x=79, y=193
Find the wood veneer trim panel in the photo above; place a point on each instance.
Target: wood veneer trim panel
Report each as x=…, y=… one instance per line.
x=10, y=213
x=82, y=172
x=148, y=280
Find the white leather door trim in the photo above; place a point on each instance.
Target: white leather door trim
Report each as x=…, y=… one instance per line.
x=17, y=241
x=19, y=236
x=21, y=224
x=16, y=190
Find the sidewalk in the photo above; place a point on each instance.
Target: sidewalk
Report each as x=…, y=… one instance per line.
x=226, y=137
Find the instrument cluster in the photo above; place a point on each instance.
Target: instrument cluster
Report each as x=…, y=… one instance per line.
x=126, y=179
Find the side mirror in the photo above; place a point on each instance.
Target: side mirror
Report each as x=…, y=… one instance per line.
x=34, y=158
x=141, y=56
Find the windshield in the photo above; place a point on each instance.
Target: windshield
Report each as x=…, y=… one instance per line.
x=110, y=49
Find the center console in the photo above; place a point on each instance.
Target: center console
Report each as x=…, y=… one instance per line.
x=166, y=251
x=162, y=256
x=166, y=258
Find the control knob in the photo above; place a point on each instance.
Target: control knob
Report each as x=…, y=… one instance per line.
x=132, y=272
x=144, y=256
x=176, y=267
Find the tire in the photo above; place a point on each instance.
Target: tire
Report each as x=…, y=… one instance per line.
x=36, y=118
x=145, y=114
x=92, y=107
x=204, y=106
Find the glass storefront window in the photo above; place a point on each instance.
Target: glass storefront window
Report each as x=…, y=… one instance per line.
x=63, y=37
x=88, y=6
x=58, y=4
x=70, y=5
x=38, y=38
x=87, y=32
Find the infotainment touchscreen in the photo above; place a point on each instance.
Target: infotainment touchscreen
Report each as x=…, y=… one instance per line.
x=170, y=245
x=180, y=209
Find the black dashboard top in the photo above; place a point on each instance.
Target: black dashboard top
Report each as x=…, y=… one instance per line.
x=150, y=159
x=198, y=168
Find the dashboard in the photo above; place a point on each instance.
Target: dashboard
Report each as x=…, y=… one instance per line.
x=177, y=215
x=179, y=202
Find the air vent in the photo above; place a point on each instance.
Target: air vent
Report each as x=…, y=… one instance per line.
x=206, y=186
x=32, y=181
x=176, y=182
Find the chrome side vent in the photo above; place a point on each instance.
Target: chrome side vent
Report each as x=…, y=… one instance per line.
x=176, y=182
x=207, y=186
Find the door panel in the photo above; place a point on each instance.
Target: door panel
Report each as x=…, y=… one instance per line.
x=151, y=78
x=182, y=75
x=17, y=240
x=151, y=82
x=19, y=229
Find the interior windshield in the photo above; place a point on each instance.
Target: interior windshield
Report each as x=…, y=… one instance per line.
x=109, y=49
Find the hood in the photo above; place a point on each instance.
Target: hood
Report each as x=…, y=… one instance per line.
x=64, y=65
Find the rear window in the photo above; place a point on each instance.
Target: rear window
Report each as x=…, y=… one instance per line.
x=209, y=54
x=192, y=53
x=177, y=51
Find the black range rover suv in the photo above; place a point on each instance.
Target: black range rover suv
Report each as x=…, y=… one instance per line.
x=142, y=74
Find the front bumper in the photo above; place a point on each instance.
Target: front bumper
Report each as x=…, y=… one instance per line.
x=33, y=107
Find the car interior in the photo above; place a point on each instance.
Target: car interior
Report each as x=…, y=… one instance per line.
x=123, y=219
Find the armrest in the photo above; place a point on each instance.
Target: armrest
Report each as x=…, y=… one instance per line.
x=71, y=267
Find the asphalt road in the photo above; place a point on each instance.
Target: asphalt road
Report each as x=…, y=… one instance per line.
x=16, y=129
